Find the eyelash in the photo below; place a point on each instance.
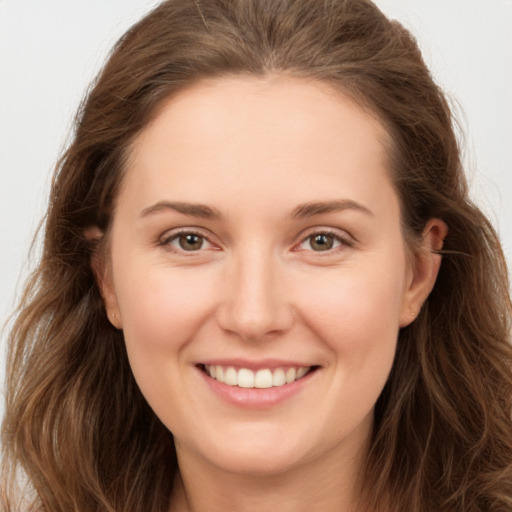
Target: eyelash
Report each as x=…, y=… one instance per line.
x=344, y=241
x=166, y=241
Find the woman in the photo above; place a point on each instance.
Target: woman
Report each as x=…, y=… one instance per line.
x=263, y=283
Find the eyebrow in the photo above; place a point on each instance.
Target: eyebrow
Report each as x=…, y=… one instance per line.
x=321, y=207
x=300, y=212
x=192, y=209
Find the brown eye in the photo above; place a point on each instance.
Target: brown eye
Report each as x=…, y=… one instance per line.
x=184, y=241
x=324, y=241
x=321, y=242
x=190, y=242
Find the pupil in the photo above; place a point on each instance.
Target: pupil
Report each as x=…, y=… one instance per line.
x=190, y=242
x=322, y=242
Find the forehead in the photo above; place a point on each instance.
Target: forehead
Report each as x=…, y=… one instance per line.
x=264, y=103
x=295, y=136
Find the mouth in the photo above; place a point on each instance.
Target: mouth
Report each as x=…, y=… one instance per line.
x=262, y=378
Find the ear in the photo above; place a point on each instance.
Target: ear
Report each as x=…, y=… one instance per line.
x=424, y=268
x=102, y=271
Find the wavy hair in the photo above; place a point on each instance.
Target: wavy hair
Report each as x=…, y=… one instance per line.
x=77, y=430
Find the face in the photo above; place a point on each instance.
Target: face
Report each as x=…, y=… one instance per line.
x=259, y=273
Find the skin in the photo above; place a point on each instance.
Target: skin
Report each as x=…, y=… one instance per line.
x=254, y=150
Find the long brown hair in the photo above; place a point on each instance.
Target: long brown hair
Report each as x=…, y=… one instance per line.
x=77, y=428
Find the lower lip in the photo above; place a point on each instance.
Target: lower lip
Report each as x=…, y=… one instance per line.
x=256, y=398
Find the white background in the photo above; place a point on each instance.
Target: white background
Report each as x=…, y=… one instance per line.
x=51, y=49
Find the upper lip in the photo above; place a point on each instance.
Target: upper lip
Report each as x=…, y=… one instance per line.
x=255, y=364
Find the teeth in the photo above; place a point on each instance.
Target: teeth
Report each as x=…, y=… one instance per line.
x=245, y=378
x=291, y=374
x=265, y=378
x=278, y=377
x=230, y=377
x=301, y=372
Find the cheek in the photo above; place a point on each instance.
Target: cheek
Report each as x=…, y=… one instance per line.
x=356, y=300
x=162, y=310
x=354, y=313
x=161, y=307
x=357, y=316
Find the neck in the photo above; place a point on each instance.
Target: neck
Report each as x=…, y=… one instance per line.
x=321, y=485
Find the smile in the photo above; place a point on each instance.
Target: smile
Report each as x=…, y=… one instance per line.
x=262, y=379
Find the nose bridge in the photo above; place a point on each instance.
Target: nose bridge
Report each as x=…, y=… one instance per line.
x=255, y=305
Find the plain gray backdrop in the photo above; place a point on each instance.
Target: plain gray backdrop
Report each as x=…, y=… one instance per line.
x=50, y=50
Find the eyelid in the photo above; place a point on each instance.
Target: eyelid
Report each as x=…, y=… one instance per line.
x=164, y=240
x=341, y=236
x=172, y=234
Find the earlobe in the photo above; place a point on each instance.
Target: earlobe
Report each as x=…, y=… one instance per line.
x=425, y=266
x=103, y=276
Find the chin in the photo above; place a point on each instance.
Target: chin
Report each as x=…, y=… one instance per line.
x=258, y=464
x=261, y=449
x=252, y=450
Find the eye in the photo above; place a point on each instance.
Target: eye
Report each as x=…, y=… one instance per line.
x=188, y=241
x=323, y=241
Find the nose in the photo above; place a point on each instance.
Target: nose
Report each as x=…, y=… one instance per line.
x=255, y=304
